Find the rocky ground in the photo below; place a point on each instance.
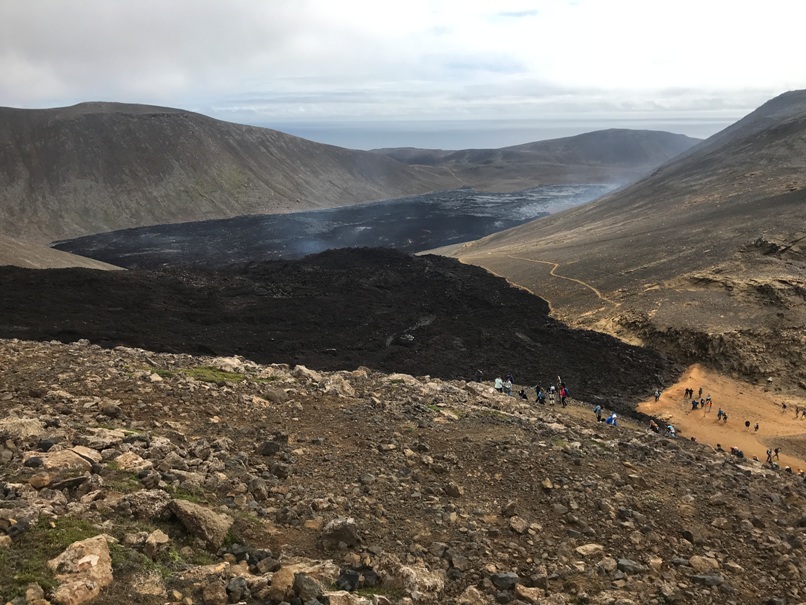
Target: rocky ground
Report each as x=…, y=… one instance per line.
x=140, y=477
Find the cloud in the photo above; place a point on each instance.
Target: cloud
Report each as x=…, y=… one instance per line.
x=422, y=59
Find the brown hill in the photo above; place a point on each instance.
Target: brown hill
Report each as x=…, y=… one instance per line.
x=97, y=167
x=705, y=258
x=605, y=156
x=33, y=256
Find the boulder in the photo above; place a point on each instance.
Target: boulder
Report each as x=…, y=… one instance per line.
x=417, y=581
x=589, y=550
x=129, y=461
x=703, y=564
x=233, y=365
x=337, y=385
x=100, y=439
x=157, y=542
x=147, y=504
x=209, y=526
x=64, y=461
x=282, y=583
x=301, y=371
x=21, y=428
x=82, y=571
x=340, y=531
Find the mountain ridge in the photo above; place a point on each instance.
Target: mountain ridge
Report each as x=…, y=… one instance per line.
x=614, y=155
x=702, y=257
x=97, y=167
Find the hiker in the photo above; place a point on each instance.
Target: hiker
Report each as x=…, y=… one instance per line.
x=499, y=385
x=479, y=375
x=563, y=394
x=598, y=411
x=541, y=396
x=724, y=417
x=653, y=426
x=552, y=392
x=776, y=451
x=510, y=377
x=699, y=394
x=670, y=431
x=719, y=414
x=657, y=394
x=612, y=419
x=708, y=399
x=522, y=394
x=508, y=387
x=694, y=404
x=783, y=408
x=769, y=457
x=755, y=428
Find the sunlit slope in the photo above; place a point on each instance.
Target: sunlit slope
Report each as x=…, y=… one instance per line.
x=703, y=257
x=33, y=256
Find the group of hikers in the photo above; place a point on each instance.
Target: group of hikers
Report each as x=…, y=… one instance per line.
x=560, y=391
x=772, y=458
x=798, y=411
x=704, y=403
x=666, y=429
x=548, y=396
x=553, y=392
x=612, y=419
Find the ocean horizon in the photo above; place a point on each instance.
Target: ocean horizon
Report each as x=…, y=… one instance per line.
x=482, y=134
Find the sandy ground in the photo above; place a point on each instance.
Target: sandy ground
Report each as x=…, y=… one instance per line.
x=742, y=402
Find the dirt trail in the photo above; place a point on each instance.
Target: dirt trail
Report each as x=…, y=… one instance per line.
x=742, y=402
x=555, y=266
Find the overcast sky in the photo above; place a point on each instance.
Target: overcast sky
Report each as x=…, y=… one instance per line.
x=349, y=68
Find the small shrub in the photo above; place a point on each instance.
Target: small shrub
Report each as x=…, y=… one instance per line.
x=214, y=375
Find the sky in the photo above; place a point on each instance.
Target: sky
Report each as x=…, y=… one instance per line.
x=445, y=74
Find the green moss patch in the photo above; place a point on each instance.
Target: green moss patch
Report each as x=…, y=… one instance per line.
x=26, y=560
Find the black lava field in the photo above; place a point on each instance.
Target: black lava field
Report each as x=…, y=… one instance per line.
x=341, y=309
x=411, y=225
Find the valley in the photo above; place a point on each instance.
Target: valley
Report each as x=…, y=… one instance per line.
x=409, y=225
x=233, y=419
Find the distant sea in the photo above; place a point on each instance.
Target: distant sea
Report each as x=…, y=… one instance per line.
x=481, y=134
